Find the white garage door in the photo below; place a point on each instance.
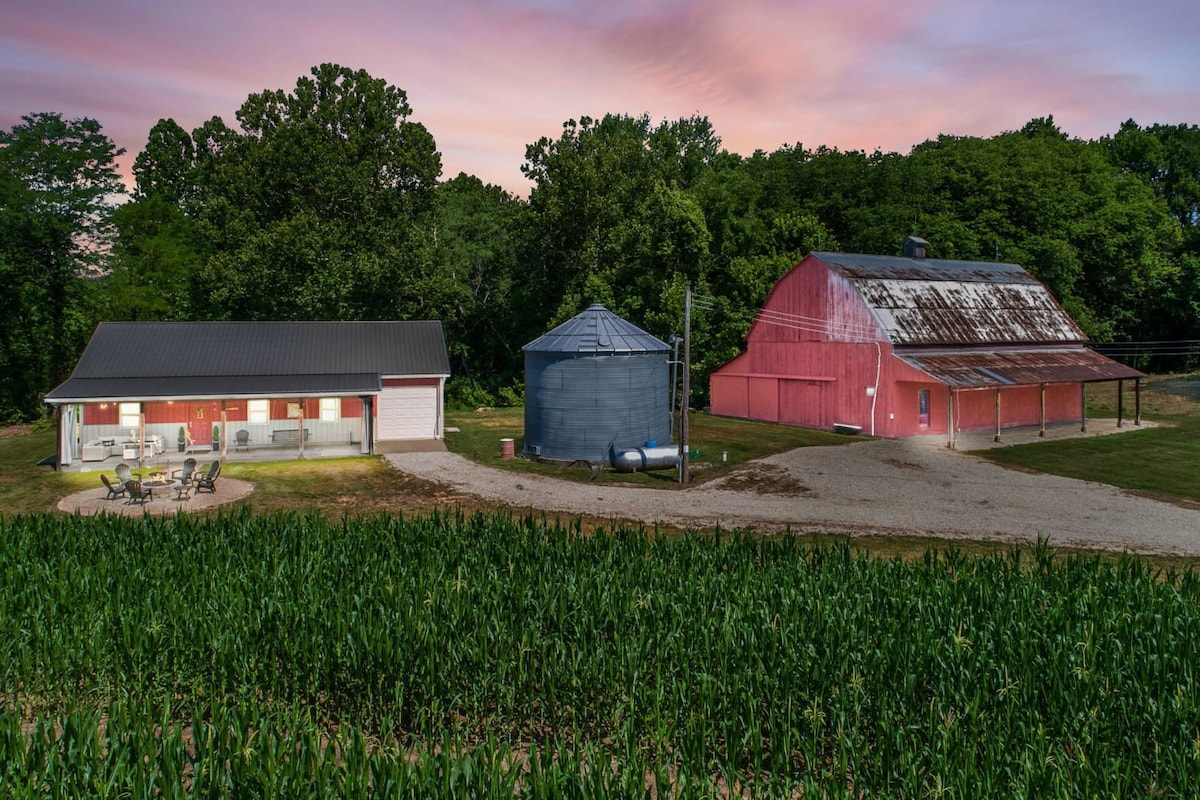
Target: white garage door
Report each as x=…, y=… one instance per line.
x=408, y=412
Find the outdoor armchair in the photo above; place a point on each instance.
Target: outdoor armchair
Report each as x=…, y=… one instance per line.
x=207, y=481
x=187, y=473
x=115, y=490
x=124, y=474
x=137, y=493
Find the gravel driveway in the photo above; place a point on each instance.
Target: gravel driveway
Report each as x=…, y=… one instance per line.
x=909, y=487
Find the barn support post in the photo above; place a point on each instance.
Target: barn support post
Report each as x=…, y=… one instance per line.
x=1120, y=402
x=996, y=438
x=1042, y=410
x=1137, y=401
x=950, y=417
x=1082, y=407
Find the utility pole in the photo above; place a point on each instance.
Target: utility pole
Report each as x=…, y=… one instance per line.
x=675, y=340
x=687, y=388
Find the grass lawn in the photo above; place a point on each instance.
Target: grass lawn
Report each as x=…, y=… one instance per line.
x=1162, y=461
x=718, y=444
x=365, y=485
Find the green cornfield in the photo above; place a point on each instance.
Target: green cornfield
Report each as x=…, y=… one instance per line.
x=498, y=656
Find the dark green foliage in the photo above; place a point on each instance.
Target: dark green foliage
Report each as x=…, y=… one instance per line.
x=324, y=203
x=748, y=661
x=57, y=179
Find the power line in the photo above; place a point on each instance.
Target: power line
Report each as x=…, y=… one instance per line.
x=853, y=331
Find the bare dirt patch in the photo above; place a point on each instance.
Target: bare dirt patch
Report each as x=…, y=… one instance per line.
x=896, y=462
x=10, y=431
x=765, y=479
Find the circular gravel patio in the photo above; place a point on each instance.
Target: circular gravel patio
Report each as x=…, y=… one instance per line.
x=92, y=501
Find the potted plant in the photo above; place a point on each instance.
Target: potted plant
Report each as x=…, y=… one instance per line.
x=182, y=440
x=216, y=437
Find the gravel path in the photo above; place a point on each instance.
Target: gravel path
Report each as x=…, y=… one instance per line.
x=887, y=487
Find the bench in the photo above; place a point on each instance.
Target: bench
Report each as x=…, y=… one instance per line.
x=289, y=435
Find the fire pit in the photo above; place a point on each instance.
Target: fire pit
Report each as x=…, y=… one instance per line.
x=158, y=480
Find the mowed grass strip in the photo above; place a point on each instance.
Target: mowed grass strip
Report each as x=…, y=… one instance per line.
x=1161, y=461
x=719, y=444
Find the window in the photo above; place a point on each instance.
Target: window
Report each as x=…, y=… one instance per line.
x=131, y=415
x=258, y=412
x=331, y=409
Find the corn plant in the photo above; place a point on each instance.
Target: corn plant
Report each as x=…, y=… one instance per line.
x=493, y=655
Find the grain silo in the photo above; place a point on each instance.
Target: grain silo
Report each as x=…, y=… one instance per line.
x=593, y=384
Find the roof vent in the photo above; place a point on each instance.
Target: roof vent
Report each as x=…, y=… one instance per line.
x=916, y=247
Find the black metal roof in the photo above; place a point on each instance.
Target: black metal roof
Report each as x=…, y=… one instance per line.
x=860, y=265
x=597, y=330
x=139, y=360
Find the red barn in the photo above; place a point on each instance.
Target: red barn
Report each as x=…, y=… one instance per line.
x=903, y=346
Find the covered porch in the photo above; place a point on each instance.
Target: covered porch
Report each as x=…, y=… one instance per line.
x=154, y=432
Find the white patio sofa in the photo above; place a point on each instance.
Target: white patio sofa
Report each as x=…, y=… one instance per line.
x=99, y=449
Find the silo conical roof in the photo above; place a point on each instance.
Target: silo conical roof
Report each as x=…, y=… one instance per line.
x=597, y=330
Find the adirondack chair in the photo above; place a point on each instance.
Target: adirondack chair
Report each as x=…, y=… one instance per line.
x=114, y=490
x=137, y=493
x=125, y=475
x=207, y=481
x=187, y=473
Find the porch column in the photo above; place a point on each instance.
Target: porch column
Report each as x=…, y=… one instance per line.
x=224, y=431
x=1137, y=401
x=1042, y=410
x=950, y=417
x=367, y=433
x=141, y=434
x=1120, y=402
x=996, y=438
x=61, y=439
x=1082, y=407
x=300, y=435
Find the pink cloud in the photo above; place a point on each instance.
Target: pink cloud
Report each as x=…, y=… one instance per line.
x=488, y=77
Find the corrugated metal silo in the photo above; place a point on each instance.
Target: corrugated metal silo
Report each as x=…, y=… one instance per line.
x=593, y=383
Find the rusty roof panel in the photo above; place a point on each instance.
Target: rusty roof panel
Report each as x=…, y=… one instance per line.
x=946, y=312
x=977, y=370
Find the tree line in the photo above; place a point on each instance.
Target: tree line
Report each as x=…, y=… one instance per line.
x=326, y=201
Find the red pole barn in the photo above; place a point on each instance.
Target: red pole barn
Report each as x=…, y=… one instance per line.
x=904, y=346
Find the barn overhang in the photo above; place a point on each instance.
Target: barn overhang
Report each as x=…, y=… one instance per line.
x=1024, y=367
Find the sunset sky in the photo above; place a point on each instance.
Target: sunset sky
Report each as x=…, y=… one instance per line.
x=488, y=77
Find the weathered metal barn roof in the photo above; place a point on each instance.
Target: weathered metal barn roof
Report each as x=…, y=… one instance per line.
x=978, y=369
x=920, y=301
x=597, y=330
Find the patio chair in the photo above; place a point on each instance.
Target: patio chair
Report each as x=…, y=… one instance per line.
x=124, y=474
x=137, y=493
x=207, y=481
x=115, y=490
x=242, y=440
x=187, y=473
